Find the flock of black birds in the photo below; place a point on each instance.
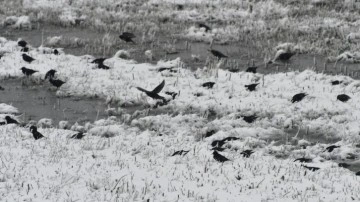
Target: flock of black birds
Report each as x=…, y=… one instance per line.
x=217, y=145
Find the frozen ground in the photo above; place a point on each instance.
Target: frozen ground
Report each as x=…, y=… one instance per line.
x=129, y=158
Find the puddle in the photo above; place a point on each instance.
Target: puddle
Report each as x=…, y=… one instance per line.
x=37, y=102
x=240, y=55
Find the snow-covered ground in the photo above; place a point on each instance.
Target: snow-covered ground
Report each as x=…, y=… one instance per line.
x=129, y=158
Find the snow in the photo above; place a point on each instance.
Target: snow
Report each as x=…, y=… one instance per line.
x=129, y=157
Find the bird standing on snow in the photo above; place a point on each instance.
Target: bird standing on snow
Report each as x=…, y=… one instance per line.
x=57, y=83
x=331, y=148
x=247, y=153
x=303, y=160
x=343, y=97
x=79, y=135
x=98, y=60
x=207, y=28
x=37, y=135
x=208, y=84
x=251, y=87
x=50, y=74
x=336, y=82
x=27, y=58
x=27, y=71
x=219, y=157
x=249, y=119
x=127, y=37
x=298, y=97
x=251, y=69
x=22, y=43
x=154, y=94
x=10, y=120
x=180, y=152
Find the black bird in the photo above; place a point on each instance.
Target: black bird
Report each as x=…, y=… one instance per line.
x=2, y=88
x=311, y=168
x=251, y=69
x=220, y=157
x=331, y=148
x=247, y=153
x=285, y=56
x=208, y=84
x=57, y=83
x=27, y=58
x=25, y=49
x=210, y=133
x=220, y=143
x=102, y=66
x=251, y=87
x=22, y=43
x=357, y=173
x=298, y=97
x=217, y=54
x=36, y=134
x=172, y=94
x=79, y=135
x=127, y=37
x=2, y=123
x=343, y=97
x=56, y=52
x=303, y=160
x=336, y=82
x=250, y=119
x=181, y=152
x=344, y=165
x=154, y=93
x=98, y=60
x=50, y=74
x=27, y=71
x=10, y=120
x=218, y=149
x=207, y=28
x=165, y=68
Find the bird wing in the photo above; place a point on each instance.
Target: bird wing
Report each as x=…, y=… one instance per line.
x=141, y=89
x=159, y=87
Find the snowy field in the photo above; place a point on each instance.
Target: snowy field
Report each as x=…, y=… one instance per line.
x=135, y=157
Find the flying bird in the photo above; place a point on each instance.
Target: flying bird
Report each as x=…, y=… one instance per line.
x=10, y=120
x=154, y=94
x=79, y=135
x=331, y=148
x=336, y=82
x=127, y=37
x=298, y=97
x=37, y=135
x=220, y=143
x=220, y=157
x=311, y=168
x=250, y=119
x=22, y=43
x=27, y=58
x=181, y=152
x=247, y=153
x=251, y=87
x=50, y=74
x=217, y=54
x=207, y=28
x=303, y=160
x=251, y=69
x=56, y=82
x=208, y=84
x=343, y=97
